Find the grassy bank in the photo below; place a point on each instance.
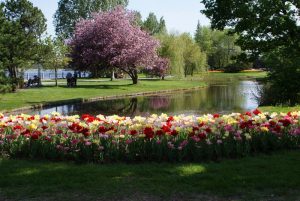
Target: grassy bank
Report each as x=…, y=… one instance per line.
x=266, y=177
x=241, y=75
x=279, y=108
x=87, y=89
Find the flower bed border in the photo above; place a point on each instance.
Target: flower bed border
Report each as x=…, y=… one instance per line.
x=156, y=138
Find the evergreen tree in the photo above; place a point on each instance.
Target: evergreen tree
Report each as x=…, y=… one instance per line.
x=203, y=37
x=138, y=18
x=153, y=26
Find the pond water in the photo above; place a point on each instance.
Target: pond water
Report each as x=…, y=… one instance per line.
x=224, y=96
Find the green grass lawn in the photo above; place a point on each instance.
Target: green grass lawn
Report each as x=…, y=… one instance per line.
x=87, y=89
x=264, y=177
x=279, y=108
x=241, y=75
x=211, y=76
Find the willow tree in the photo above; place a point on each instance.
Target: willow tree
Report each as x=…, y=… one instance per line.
x=69, y=12
x=194, y=58
x=171, y=48
x=185, y=56
x=113, y=39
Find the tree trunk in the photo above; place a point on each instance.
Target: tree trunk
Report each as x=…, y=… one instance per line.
x=112, y=77
x=39, y=75
x=13, y=77
x=55, y=70
x=134, y=76
x=135, y=80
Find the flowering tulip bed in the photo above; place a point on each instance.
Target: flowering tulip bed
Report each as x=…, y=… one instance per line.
x=155, y=138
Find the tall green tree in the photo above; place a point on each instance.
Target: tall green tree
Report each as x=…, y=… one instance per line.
x=219, y=46
x=265, y=28
x=203, y=37
x=184, y=54
x=194, y=59
x=223, y=50
x=22, y=25
x=154, y=26
x=138, y=18
x=71, y=11
x=56, y=56
x=171, y=48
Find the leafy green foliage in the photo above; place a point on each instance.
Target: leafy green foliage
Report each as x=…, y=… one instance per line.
x=69, y=12
x=171, y=48
x=263, y=25
x=5, y=85
x=184, y=54
x=194, y=59
x=138, y=18
x=218, y=45
x=22, y=25
x=236, y=67
x=283, y=86
x=268, y=29
x=56, y=56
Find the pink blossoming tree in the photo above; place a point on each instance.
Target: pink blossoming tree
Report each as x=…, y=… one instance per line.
x=112, y=39
x=159, y=67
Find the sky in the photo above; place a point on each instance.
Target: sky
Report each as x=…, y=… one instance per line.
x=180, y=16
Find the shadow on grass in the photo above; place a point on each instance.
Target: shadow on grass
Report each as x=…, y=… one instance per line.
x=116, y=86
x=260, y=177
x=89, y=86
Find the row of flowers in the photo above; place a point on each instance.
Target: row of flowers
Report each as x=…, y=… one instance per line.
x=155, y=138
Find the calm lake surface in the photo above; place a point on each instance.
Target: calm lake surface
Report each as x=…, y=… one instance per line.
x=223, y=96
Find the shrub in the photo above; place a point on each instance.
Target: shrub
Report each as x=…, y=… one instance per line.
x=235, y=67
x=5, y=84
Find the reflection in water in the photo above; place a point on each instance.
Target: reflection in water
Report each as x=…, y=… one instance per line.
x=159, y=102
x=216, y=98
